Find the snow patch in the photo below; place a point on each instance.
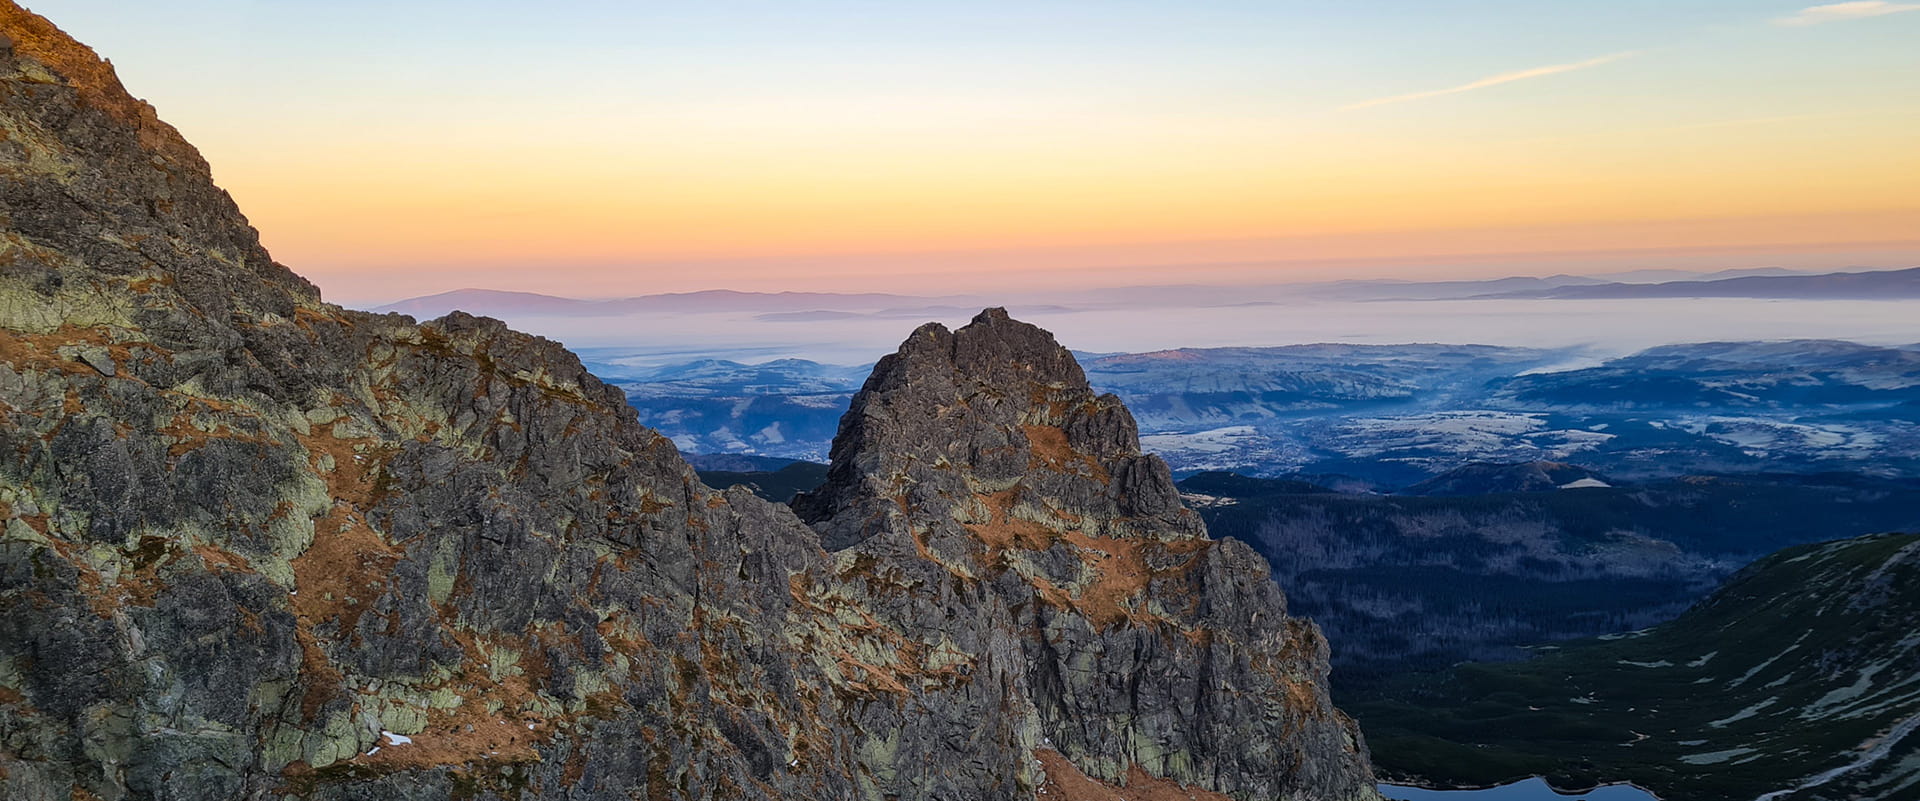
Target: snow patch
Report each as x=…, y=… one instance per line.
x=1715, y=757
x=1217, y=440
x=1743, y=714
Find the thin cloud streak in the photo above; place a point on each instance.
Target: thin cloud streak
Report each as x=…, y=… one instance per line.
x=1836, y=12
x=1496, y=80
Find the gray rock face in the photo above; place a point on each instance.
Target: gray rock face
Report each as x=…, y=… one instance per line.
x=256, y=546
x=980, y=466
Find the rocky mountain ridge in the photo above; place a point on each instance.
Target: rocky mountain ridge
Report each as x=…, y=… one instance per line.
x=258, y=546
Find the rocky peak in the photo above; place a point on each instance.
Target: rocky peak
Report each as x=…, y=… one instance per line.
x=993, y=350
x=94, y=173
x=977, y=477
x=995, y=406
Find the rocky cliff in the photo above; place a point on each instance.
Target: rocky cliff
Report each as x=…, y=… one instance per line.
x=258, y=546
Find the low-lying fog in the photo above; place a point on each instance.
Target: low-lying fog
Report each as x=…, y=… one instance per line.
x=1606, y=327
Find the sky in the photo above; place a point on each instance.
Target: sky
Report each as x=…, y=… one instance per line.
x=390, y=148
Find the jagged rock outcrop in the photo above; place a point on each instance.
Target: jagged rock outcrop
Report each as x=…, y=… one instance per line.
x=258, y=546
x=980, y=491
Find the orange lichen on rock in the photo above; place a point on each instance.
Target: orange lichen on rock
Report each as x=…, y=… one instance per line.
x=348, y=565
x=351, y=467
x=344, y=571
x=1066, y=782
x=190, y=434
x=802, y=597
x=220, y=559
x=306, y=316
x=319, y=679
x=141, y=285
x=42, y=351
x=1050, y=398
x=890, y=663
x=462, y=736
x=869, y=679
x=1302, y=696
x=1005, y=530
x=1051, y=451
x=469, y=732
x=1117, y=567
x=1119, y=573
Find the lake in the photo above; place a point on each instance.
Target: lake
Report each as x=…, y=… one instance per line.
x=1534, y=789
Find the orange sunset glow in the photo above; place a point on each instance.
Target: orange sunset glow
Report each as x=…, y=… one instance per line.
x=901, y=146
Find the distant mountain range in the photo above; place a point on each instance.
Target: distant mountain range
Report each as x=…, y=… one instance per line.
x=816, y=306
x=497, y=303
x=1518, y=286
x=1487, y=478
x=1871, y=285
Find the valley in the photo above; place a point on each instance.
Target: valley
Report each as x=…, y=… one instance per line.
x=1410, y=581
x=1799, y=679
x=1389, y=416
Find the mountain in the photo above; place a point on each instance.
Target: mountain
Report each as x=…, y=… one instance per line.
x=1487, y=478
x=827, y=306
x=1658, y=275
x=491, y=303
x=256, y=545
x=1440, y=290
x=499, y=303
x=1519, y=285
x=1404, y=582
x=815, y=306
x=1868, y=285
x=1794, y=682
